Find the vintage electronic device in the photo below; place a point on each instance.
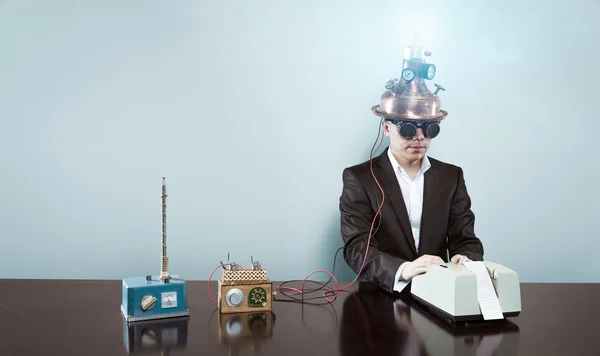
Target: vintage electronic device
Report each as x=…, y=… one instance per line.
x=155, y=296
x=162, y=335
x=241, y=331
x=469, y=291
x=245, y=290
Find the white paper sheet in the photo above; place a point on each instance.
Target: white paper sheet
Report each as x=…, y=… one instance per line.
x=486, y=294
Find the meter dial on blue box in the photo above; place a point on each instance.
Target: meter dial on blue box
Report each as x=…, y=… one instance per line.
x=169, y=300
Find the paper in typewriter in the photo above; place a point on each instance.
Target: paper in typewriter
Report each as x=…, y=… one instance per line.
x=486, y=294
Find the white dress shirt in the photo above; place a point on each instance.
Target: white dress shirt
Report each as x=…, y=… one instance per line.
x=412, y=192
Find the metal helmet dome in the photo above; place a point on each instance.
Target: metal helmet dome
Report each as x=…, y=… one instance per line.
x=409, y=98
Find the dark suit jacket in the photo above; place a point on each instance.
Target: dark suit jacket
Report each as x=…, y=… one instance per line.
x=447, y=222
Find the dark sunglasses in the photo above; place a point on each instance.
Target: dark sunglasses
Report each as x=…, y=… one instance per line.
x=408, y=129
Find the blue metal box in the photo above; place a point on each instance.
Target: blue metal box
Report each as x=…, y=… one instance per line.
x=148, y=298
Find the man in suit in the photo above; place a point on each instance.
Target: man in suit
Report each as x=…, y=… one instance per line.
x=425, y=217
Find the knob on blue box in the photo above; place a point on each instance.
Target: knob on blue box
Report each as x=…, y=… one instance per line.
x=155, y=296
x=147, y=298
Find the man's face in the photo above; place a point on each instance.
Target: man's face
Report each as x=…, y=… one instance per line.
x=407, y=149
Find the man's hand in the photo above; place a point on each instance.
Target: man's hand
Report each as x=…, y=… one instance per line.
x=460, y=258
x=420, y=265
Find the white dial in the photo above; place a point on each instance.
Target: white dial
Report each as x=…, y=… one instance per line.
x=408, y=74
x=169, y=300
x=431, y=72
x=235, y=297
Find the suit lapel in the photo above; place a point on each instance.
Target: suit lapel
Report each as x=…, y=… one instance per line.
x=430, y=200
x=393, y=194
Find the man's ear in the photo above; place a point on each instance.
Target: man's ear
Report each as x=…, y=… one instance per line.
x=385, y=127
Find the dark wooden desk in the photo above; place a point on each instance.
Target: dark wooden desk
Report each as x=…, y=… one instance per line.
x=65, y=317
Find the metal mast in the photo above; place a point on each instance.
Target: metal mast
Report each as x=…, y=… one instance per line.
x=164, y=271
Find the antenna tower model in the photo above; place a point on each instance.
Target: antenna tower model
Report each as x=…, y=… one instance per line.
x=156, y=296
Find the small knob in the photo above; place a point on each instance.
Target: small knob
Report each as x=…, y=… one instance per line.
x=234, y=298
x=148, y=302
x=391, y=84
x=439, y=87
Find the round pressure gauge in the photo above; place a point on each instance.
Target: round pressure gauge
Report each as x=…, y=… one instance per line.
x=428, y=71
x=408, y=74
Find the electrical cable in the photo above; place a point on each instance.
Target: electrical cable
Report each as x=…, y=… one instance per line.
x=337, y=289
x=303, y=292
x=321, y=285
x=282, y=289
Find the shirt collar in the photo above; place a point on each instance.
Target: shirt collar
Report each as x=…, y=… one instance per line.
x=425, y=164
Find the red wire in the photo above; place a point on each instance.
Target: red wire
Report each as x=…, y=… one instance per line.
x=210, y=277
x=301, y=291
x=337, y=289
x=374, y=218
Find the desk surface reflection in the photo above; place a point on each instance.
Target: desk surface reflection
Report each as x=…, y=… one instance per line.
x=400, y=326
x=68, y=317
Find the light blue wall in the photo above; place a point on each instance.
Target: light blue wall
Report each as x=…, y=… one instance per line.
x=251, y=109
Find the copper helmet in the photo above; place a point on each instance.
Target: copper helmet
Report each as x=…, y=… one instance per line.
x=409, y=98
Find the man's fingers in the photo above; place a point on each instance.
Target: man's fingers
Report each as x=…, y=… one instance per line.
x=463, y=259
x=459, y=258
x=416, y=269
x=426, y=263
x=419, y=267
x=433, y=259
x=420, y=270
